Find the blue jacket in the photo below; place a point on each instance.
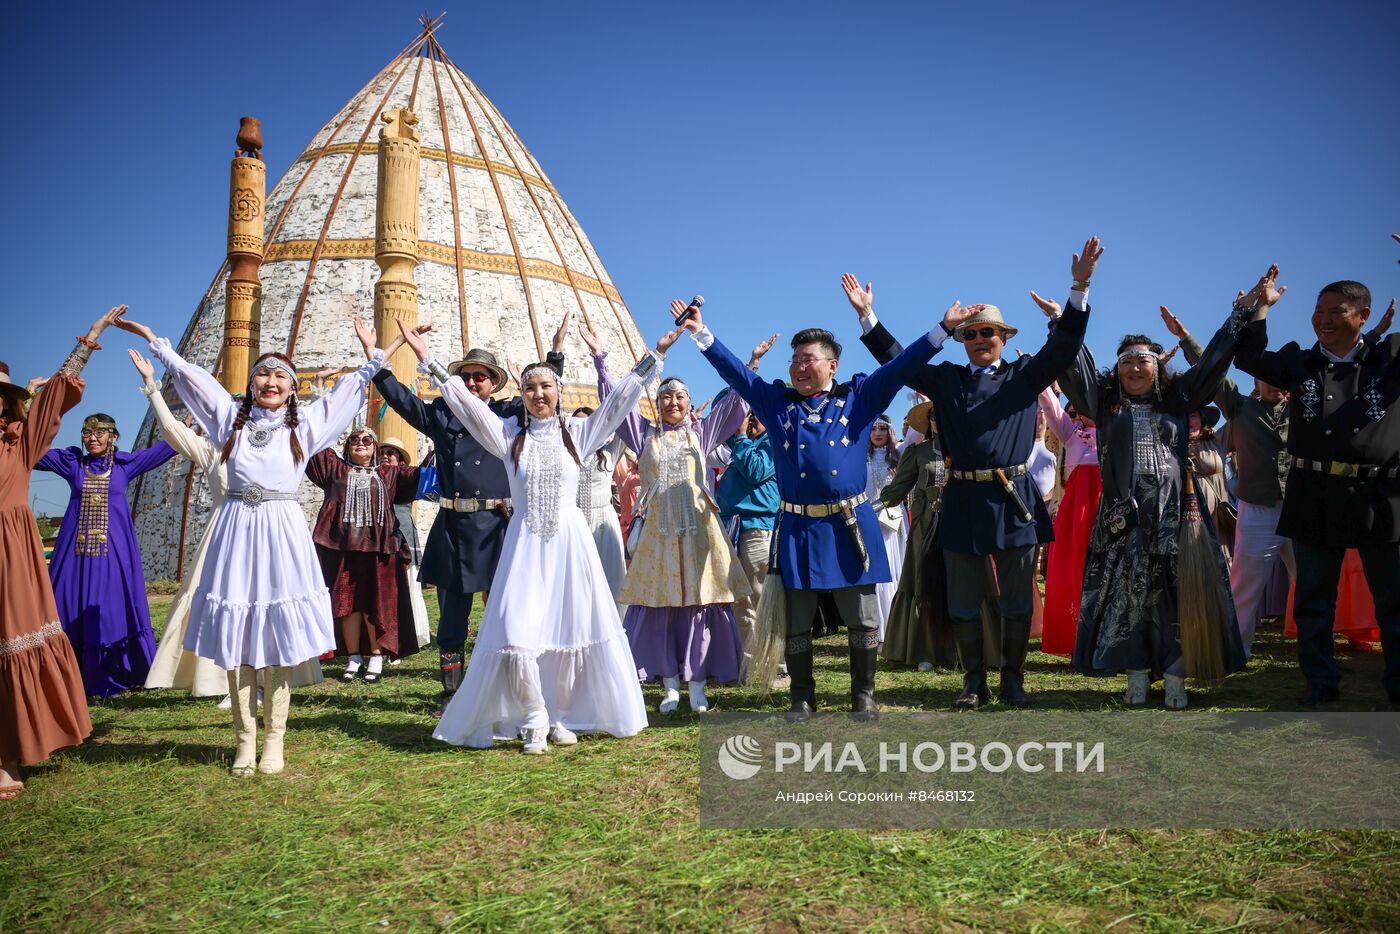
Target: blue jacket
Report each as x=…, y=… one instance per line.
x=818, y=448
x=749, y=487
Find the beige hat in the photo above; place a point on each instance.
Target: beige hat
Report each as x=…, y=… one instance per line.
x=919, y=416
x=396, y=444
x=482, y=358
x=8, y=388
x=985, y=314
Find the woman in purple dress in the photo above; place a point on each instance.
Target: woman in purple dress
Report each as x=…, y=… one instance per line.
x=96, y=571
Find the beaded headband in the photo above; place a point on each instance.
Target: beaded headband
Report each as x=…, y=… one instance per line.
x=1130, y=356
x=94, y=421
x=672, y=384
x=538, y=369
x=272, y=363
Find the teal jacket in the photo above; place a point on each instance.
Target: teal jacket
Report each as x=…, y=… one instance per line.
x=749, y=487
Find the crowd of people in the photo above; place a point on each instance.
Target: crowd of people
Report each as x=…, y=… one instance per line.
x=612, y=548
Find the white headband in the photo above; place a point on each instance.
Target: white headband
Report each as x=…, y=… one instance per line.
x=539, y=368
x=672, y=384
x=1128, y=356
x=272, y=363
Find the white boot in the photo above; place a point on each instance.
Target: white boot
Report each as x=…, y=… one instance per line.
x=698, y=701
x=1139, y=682
x=245, y=719
x=672, y=699
x=278, y=700
x=1176, y=691
x=535, y=744
x=560, y=735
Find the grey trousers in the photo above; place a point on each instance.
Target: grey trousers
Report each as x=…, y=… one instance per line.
x=858, y=607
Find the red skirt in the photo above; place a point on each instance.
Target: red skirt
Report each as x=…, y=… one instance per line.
x=1064, y=569
x=1356, y=611
x=376, y=585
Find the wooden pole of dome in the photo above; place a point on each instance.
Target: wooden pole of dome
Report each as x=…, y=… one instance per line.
x=243, y=292
x=396, y=253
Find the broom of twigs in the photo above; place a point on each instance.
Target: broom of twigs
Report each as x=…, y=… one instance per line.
x=768, y=641
x=1200, y=600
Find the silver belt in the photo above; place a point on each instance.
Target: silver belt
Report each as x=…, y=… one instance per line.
x=1343, y=469
x=988, y=475
x=253, y=494
x=459, y=504
x=822, y=510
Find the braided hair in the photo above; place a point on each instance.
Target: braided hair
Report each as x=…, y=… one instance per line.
x=245, y=409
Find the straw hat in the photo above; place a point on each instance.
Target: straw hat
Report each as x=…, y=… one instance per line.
x=482, y=358
x=393, y=442
x=988, y=314
x=919, y=417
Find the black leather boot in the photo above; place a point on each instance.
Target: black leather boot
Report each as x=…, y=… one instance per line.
x=1015, y=640
x=865, y=648
x=803, y=685
x=450, y=666
x=968, y=634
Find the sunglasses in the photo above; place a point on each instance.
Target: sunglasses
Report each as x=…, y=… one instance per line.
x=969, y=333
x=361, y=442
x=95, y=432
x=476, y=377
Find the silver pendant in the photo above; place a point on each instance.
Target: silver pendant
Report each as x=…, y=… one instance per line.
x=260, y=437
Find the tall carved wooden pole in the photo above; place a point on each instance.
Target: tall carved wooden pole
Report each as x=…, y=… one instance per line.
x=396, y=252
x=243, y=293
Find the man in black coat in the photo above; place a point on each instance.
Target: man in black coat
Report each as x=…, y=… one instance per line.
x=464, y=544
x=991, y=507
x=1344, y=487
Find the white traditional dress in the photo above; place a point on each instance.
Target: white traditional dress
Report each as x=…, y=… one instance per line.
x=173, y=666
x=262, y=601
x=893, y=531
x=551, y=649
x=595, y=493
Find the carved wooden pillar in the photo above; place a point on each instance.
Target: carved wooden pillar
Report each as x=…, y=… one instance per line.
x=396, y=252
x=243, y=293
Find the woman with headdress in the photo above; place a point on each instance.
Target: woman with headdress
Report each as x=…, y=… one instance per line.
x=684, y=576
x=551, y=656
x=595, y=499
x=394, y=452
x=882, y=459
x=262, y=602
x=42, y=704
x=363, y=556
x=174, y=666
x=96, y=570
x=1156, y=596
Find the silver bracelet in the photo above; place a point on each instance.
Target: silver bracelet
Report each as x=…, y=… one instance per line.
x=150, y=389
x=436, y=370
x=647, y=366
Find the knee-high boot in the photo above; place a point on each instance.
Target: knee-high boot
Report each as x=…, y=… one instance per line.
x=968, y=634
x=243, y=695
x=1015, y=640
x=450, y=667
x=803, y=686
x=277, y=698
x=865, y=646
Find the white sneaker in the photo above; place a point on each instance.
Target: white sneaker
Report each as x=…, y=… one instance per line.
x=698, y=701
x=1176, y=692
x=1139, y=681
x=926, y=666
x=535, y=744
x=560, y=735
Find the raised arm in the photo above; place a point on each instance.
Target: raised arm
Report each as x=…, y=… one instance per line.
x=485, y=425
x=61, y=392
x=1200, y=384
x=1252, y=354
x=138, y=462
x=180, y=436
x=403, y=400
x=1228, y=396
x=323, y=421
x=1056, y=419
x=635, y=426
x=207, y=400
x=613, y=411
x=1080, y=383
x=725, y=417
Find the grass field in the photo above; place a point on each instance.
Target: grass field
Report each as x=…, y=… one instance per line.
x=375, y=826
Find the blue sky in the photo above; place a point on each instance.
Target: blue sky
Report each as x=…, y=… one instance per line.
x=752, y=152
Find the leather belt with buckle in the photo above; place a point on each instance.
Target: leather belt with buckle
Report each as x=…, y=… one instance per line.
x=253, y=494
x=1343, y=469
x=989, y=475
x=823, y=510
x=460, y=504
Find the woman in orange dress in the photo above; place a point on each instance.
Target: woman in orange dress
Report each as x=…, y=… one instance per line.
x=42, y=703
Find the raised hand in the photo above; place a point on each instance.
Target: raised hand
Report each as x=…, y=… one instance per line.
x=1266, y=291
x=513, y=369
x=862, y=300
x=1383, y=325
x=561, y=332
x=1047, y=305
x=1082, y=266
x=410, y=336
x=143, y=366
x=595, y=346
x=1173, y=323
x=762, y=348
x=35, y=384
x=664, y=342
x=366, y=335
x=397, y=342
x=693, y=324
x=125, y=324
x=957, y=314
x=1396, y=238
x=1164, y=358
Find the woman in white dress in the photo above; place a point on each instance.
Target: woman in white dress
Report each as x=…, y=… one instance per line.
x=262, y=602
x=551, y=656
x=173, y=666
x=595, y=499
x=882, y=458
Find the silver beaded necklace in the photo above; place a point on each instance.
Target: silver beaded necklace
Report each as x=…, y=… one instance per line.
x=544, y=476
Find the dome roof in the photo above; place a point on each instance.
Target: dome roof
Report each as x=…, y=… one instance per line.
x=501, y=259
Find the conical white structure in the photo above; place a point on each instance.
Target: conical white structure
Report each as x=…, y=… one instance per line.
x=501, y=259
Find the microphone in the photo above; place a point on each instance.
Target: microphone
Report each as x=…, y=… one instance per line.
x=695, y=304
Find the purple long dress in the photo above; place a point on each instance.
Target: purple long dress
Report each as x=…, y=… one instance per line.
x=98, y=583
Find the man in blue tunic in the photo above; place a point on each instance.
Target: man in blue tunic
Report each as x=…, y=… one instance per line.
x=828, y=538
x=986, y=421
x=464, y=544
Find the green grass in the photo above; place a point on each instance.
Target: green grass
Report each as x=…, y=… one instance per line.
x=376, y=826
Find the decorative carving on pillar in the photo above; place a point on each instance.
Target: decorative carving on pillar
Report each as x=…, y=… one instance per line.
x=396, y=252
x=243, y=292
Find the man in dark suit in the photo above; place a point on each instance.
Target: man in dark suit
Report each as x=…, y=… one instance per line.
x=464, y=544
x=1343, y=490
x=991, y=507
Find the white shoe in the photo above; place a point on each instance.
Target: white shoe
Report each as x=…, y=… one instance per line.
x=782, y=669
x=1176, y=692
x=560, y=735
x=698, y=701
x=672, y=698
x=227, y=702
x=926, y=666
x=535, y=744
x=1139, y=681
